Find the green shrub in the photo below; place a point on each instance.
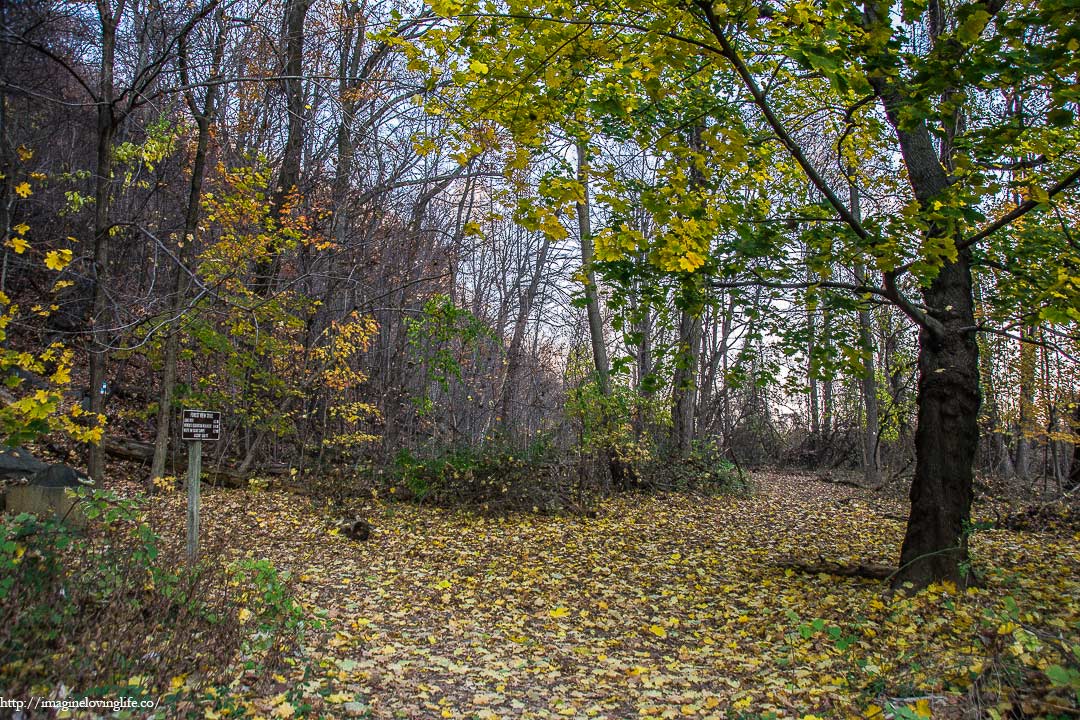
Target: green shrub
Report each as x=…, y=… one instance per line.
x=492, y=479
x=704, y=470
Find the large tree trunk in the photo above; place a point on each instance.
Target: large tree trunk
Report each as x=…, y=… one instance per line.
x=947, y=435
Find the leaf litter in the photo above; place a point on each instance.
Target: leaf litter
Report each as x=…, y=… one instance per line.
x=661, y=606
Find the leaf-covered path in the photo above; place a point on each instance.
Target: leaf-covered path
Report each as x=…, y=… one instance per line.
x=668, y=606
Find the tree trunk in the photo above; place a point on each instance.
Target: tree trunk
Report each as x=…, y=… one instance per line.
x=811, y=363
x=592, y=308
x=6, y=163
x=592, y=297
x=947, y=436
x=684, y=383
x=186, y=253
x=266, y=268
x=513, y=362
x=643, y=327
x=868, y=381
x=1025, y=428
x=1072, y=482
x=106, y=129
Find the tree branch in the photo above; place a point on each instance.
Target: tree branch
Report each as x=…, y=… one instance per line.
x=1021, y=210
x=729, y=53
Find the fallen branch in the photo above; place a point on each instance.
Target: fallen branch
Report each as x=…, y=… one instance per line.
x=216, y=474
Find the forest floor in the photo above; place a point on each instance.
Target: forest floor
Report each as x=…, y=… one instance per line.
x=662, y=605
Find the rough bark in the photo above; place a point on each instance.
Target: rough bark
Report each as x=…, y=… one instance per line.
x=946, y=438
x=947, y=434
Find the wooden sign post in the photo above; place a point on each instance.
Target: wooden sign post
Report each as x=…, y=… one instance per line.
x=196, y=426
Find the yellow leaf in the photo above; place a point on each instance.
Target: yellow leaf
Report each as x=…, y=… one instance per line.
x=177, y=682
x=24, y=152
x=244, y=615
x=922, y=709
x=18, y=244
x=62, y=376
x=284, y=710
x=23, y=190
x=559, y=612
x=22, y=228
x=658, y=631
x=478, y=67
x=339, y=698
x=57, y=259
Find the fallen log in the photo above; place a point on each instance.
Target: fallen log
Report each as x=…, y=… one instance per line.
x=872, y=571
x=214, y=473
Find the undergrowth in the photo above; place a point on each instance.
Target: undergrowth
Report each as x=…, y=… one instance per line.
x=110, y=613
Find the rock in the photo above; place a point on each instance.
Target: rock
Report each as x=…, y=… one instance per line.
x=45, y=495
x=355, y=529
x=59, y=476
x=17, y=462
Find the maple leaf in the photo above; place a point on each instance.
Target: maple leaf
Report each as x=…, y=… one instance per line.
x=23, y=190
x=57, y=259
x=284, y=710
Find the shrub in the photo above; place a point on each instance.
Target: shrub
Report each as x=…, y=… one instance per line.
x=106, y=612
x=704, y=470
x=493, y=479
